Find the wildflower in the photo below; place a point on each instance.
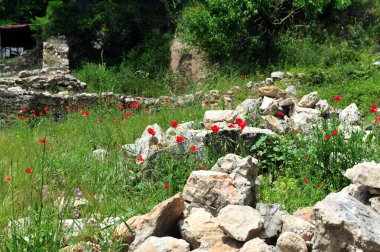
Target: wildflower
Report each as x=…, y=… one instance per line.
x=28, y=170
x=241, y=123
x=147, y=109
x=122, y=118
x=334, y=133
x=100, y=121
x=202, y=167
x=166, y=186
x=46, y=108
x=320, y=184
x=85, y=112
x=327, y=137
x=33, y=115
x=23, y=109
x=121, y=106
x=215, y=128
x=21, y=117
x=78, y=192
x=306, y=156
x=40, y=113
x=337, y=98
x=193, y=149
x=232, y=126
x=49, y=148
x=140, y=159
x=90, y=195
x=114, y=122
x=373, y=108
x=242, y=76
x=80, y=106
x=128, y=114
x=151, y=131
x=207, y=104
x=43, y=140
x=280, y=114
x=67, y=107
x=179, y=139
x=138, y=98
x=134, y=105
x=32, y=111
x=192, y=116
x=377, y=119
x=8, y=179
x=76, y=213
x=174, y=124
x=306, y=181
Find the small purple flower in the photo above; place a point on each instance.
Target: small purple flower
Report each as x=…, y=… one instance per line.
x=76, y=213
x=78, y=192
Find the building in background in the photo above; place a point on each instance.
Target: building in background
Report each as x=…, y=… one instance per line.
x=15, y=39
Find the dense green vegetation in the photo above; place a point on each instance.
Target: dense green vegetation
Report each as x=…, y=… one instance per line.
x=124, y=46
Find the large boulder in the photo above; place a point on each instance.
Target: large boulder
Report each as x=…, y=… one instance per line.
x=240, y=222
x=269, y=106
x=247, y=109
x=213, y=191
x=272, y=215
x=350, y=115
x=160, y=221
x=291, y=242
x=256, y=245
x=367, y=173
x=309, y=100
x=343, y=223
x=304, y=118
x=199, y=225
x=272, y=91
x=298, y=226
x=163, y=244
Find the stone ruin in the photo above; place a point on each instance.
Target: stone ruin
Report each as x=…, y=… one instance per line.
x=55, y=54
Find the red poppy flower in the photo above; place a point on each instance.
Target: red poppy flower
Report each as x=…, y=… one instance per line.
x=337, y=98
x=166, y=186
x=114, y=122
x=43, y=140
x=66, y=107
x=134, y=105
x=151, y=131
x=33, y=115
x=121, y=106
x=179, y=139
x=242, y=76
x=334, y=133
x=140, y=159
x=306, y=181
x=147, y=109
x=23, y=109
x=32, y=111
x=327, y=137
x=40, y=113
x=193, y=149
x=215, y=129
x=85, y=112
x=28, y=170
x=90, y=195
x=138, y=98
x=80, y=106
x=373, y=108
x=377, y=119
x=174, y=124
x=232, y=126
x=27, y=120
x=49, y=148
x=280, y=114
x=46, y=108
x=202, y=167
x=21, y=117
x=8, y=179
x=306, y=156
x=128, y=114
x=238, y=121
x=100, y=121
x=122, y=118
x=320, y=184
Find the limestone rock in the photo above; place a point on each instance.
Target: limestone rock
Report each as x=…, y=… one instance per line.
x=367, y=173
x=99, y=153
x=198, y=225
x=160, y=221
x=269, y=81
x=309, y=100
x=277, y=75
x=213, y=190
x=291, y=90
x=163, y=244
x=350, y=115
x=247, y=109
x=255, y=245
x=375, y=203
x=240, y=222
x=297, y=226
x=214, y=116
x=272, y=215
x=275, y=124
x=305, y=214
x=266, y=103
x=304, y=118
x=323, y=106
x=273, y=92
x=343, y=223
x=291, y=242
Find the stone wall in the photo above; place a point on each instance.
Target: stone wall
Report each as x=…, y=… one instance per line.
x=55, y=53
